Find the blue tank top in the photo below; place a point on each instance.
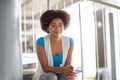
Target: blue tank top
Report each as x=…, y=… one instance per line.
x=57, y=59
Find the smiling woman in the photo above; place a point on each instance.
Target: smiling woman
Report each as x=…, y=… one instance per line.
x=54, y=50
x=31, y=10
x=81, y=35
x=56, y=27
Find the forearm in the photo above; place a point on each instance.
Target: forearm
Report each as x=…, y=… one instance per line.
x=53, y=69
x=67, y=70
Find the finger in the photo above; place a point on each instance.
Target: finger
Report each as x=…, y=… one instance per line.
x=72, y=74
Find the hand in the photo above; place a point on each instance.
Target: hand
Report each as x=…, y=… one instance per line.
x=69, y=71
x=72, y=74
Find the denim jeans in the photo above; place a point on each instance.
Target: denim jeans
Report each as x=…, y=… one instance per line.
x=53, y=76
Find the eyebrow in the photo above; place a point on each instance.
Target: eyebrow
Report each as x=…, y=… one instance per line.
x=55, y=23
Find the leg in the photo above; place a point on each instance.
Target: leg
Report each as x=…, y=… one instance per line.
x=48, y=76
x=61, y=76
x=69, y=78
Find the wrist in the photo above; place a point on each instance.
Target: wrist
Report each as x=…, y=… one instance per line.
x=62, y=69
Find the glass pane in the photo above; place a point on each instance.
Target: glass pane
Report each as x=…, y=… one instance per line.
x=54, y=4
x=74, y=1
x=87, y=18
x=23, y=44
x=61, y=4
x=30, y=44
x=68, y=2
x=116, y=24
x=118, y=54
x=107, y=37
x=74, y=31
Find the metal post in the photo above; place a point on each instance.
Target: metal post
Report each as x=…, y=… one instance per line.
x=10, y=51
x=113, y=62
x=49, y=6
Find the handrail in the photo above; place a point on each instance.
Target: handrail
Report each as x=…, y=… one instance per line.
x=106, y=3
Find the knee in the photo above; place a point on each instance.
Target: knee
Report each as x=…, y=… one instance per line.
x=53, y=76
x=48, y=76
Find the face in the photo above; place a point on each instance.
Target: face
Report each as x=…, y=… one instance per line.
x=56, y=27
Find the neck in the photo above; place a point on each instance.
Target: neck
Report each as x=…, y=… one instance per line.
x=54, y=39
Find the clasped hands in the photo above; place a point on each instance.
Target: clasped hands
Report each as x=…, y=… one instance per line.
x=69, y=71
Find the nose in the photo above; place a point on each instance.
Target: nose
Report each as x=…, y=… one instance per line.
x=57, y=27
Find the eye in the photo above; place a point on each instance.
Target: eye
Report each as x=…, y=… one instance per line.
x=60, y=25
x=53, y=25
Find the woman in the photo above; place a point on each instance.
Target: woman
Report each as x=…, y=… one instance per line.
x=54, y=50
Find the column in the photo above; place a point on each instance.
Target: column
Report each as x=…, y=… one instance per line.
x=10, y=51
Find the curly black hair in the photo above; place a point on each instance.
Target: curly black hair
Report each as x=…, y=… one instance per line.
x=49, y=15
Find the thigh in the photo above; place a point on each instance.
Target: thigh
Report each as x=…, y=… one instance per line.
x=48, y=76
x=70, y=78
x=61, y=76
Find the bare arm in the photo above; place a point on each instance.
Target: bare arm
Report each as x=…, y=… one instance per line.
x=69, y=57
x=67, y=69
x=68, y=62
x=43, y=61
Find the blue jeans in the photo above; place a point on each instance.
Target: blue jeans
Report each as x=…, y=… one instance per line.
x=53, y=76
